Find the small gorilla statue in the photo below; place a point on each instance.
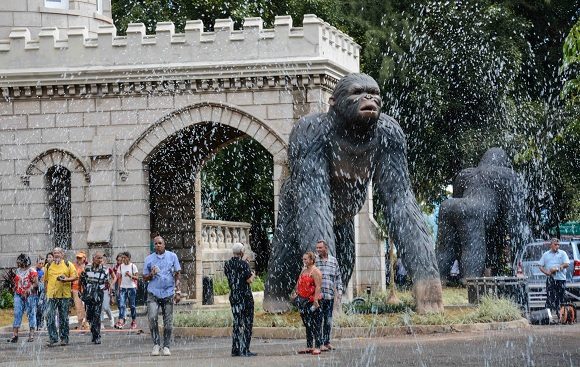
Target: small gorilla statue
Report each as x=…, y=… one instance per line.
x=487, y=207
x=332, y=158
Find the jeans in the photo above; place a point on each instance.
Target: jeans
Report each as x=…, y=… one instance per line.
x=27, y=304
x=130, y=293
x=555, y=290
x=107, y=306
x=166, y=305
x=94, y=318
x=243, y=314
x=311, y=320
x=57, y=306
x=326, y=306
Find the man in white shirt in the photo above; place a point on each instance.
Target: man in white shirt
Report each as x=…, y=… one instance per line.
x=554, y=263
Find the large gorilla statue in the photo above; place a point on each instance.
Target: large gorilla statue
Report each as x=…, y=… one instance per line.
x=487, y=210
x=332, y=158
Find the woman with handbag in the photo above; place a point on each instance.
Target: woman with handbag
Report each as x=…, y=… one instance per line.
x=306, y=297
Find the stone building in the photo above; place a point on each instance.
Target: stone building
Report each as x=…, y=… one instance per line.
x=93, y=125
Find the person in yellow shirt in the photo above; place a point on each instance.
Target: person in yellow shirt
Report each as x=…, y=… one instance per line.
x=58, y=277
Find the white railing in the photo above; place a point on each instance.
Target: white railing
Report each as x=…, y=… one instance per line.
x=221, y=235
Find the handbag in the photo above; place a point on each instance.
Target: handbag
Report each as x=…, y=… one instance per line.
x=301, y=302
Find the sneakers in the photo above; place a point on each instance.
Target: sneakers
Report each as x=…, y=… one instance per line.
x=14, y=339
x=155, y=351
x=166, y=351
x=120, y=324
x=133, y=324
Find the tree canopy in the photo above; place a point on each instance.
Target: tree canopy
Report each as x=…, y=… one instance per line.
x=460, y=76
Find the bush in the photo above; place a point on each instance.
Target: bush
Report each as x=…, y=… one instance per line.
x=221, y=287
x=258, y=284
x=6, y=299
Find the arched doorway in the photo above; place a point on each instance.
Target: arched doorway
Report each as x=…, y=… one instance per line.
x=173, y=151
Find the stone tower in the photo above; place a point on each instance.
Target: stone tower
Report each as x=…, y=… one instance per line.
x=63, y=14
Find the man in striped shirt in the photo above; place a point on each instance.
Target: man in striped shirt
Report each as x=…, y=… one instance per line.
x=331, y=288
x=93, y=281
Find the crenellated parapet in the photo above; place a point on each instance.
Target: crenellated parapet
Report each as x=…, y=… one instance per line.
x=79, y=63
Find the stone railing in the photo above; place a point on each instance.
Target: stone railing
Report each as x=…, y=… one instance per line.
x=79, y=58
x=217, y=238
x=217, y=235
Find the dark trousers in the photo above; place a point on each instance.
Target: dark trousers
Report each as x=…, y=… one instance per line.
x=57, y=307
x=555, y=290
x=243, y=314
x=312, y=322
x=326, y=306
x=93, y=311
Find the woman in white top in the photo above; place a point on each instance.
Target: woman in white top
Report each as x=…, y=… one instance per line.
x=129, y=275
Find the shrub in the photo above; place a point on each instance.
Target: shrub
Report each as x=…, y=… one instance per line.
x=258, y=284
x=220, y=286
x=6, y=299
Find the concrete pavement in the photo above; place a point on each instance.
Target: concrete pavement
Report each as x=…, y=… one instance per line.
x=536, y=346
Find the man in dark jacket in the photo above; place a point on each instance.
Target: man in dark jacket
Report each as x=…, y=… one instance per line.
x=240, y=277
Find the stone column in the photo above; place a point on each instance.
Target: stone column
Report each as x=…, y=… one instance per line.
x=369, y=252
x=198, y=242
x=280, y=174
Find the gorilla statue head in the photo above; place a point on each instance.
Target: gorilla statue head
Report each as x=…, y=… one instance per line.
x=495, y=157
x=356, y=99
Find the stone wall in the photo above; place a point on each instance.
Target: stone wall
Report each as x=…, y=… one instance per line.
x=100, y=105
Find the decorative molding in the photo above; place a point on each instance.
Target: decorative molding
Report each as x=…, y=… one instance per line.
x=56, y=156
x=164, y=86
x=221, y=113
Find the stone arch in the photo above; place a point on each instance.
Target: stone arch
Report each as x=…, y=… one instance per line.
x=222, y=113
x=57, y=156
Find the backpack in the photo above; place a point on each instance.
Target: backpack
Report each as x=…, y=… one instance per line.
x=567, y=314
x=92, y=292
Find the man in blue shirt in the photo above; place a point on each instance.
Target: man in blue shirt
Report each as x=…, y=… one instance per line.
x=554, y=263
x=161, y=270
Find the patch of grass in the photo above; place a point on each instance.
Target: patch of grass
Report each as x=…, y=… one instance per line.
x=203, y=318
x=455, y=296
x=491, y=309
x=496, y=309
x=7, y=316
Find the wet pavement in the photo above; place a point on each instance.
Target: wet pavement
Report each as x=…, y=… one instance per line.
x=537, y=346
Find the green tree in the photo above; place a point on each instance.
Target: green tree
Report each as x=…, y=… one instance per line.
x=237, y=186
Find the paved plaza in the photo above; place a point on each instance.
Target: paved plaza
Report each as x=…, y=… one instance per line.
x=537, y=346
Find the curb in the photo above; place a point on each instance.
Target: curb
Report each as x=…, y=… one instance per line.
x=354, y=332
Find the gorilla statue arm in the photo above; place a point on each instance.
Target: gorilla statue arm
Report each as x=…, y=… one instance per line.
x=405, y=223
